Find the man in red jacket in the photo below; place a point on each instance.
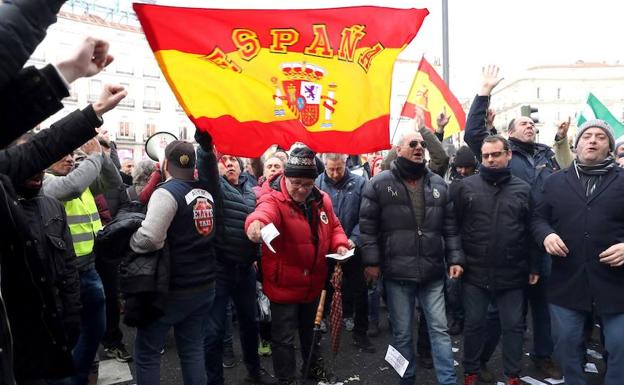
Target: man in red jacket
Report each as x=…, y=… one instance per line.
x=295, y=274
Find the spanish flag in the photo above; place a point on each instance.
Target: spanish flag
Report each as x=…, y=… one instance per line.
x=431, y=93
x=253, y=78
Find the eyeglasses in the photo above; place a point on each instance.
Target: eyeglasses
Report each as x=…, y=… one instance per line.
x=299, y=185
x=495, y=154
x=415, y=143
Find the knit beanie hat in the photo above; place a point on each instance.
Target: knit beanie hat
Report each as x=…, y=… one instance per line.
x=465, y=157
x=301, y=164
x=596, y=123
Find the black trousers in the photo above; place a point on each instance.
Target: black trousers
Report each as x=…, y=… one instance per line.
x=354, y=292
x=286, y=320
x=109, y=274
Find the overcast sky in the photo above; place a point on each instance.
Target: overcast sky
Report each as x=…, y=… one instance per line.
x=512, y=33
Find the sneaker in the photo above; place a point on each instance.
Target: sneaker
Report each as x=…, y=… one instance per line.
x=547, y=367
x=470, y=379
x=425, y=361
x=348, y=323
x=261, y=378
x=373, y=329
x=229, y=361
x=264, y=349
x=119, y=353
x=362, y=342
x=513, y=381
x=485, y=375
x=323, y=326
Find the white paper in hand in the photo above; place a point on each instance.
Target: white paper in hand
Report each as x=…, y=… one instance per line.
x=396, y=359
x=339, y=257
x=269, y=233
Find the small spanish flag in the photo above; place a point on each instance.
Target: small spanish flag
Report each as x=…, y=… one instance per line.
x=253, y=78
x=431, y=93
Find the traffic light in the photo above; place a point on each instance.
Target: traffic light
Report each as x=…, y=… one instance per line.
x=529, y=112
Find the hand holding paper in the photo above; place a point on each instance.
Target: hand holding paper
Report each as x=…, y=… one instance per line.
x=339, y=257
x=269, y=233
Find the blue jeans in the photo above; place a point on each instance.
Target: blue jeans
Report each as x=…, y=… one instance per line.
x=237, y=282
x=542, y=337
x=400, y=296
x=374, y=298
x=187, y=313
x=567, y=327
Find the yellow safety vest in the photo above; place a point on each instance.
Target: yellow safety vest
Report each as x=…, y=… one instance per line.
x=84, y=222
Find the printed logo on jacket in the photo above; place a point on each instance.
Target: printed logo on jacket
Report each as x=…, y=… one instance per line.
x=203, y=210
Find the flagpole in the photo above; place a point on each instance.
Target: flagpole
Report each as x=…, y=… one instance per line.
x=395, y=131
x=445, y=43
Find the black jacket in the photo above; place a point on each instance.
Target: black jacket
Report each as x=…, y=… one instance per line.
x=390, y=237
x=494, y=226
x=233, y=205
x=532, y=168
x=587, y=227
x=17, y=255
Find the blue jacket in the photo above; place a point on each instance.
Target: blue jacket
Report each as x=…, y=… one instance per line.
x=346, y=196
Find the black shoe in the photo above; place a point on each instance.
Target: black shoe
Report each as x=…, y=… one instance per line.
x=317, y=371
x=362, y=342
x=485, y=375
x=119, y=353
x=261, y=378
x=229, y=361
x=456, y=327
x=373, y=329
x=425, y=361
x=547, y=367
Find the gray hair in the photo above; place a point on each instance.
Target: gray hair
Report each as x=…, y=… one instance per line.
x=334, y=156
x=142, y=172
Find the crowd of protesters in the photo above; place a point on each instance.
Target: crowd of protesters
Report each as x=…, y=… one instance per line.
x=506, y=228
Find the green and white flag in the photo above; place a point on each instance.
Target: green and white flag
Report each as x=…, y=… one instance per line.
x=594, y=109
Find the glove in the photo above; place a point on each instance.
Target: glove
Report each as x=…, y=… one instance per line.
x=204, y=139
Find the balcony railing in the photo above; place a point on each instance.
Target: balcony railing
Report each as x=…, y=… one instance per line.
x=126, y=138
x=151, y=105
x=127, y=102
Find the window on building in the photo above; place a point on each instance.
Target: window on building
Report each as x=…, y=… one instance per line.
x=127, y=101
x=125, y=66
x=538, y=92
x=150, y=129
x=150, y=99
x=95, y=89
x=151, y=70
x=125, y=130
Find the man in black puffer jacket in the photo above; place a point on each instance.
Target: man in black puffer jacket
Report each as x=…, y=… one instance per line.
x=408, y=231
x=492, y=209
x=236, y=254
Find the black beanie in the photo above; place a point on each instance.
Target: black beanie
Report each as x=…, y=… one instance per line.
x=301, y=164
x=465, y=157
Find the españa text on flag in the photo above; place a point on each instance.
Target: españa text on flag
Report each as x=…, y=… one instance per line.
x=253, y=78
x=431, y=93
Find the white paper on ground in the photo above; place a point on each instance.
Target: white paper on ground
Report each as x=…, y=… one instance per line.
x=269, y=233
x=500, y=383
x=594, y=354
x=455, y=363
x=532, y=381
x=396, y=360
x=591, y=368
x=555, y=382
x=113, y=372
x=339, y=257
x=455, y=350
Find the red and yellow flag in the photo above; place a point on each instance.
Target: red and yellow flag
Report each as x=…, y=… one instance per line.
x=431, y=93
x=253, y=78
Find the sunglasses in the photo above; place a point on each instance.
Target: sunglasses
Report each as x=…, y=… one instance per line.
x=415, y=143
x=495, y=154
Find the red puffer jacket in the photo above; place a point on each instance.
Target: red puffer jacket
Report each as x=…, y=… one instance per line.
x=296, y=272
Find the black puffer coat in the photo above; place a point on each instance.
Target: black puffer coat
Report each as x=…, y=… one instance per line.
x=494, y=227
x=391, y=238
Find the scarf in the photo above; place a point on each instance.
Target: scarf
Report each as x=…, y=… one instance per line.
x=410, y=170
x=495, y=175
x=591, y=175
x=526, y=147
